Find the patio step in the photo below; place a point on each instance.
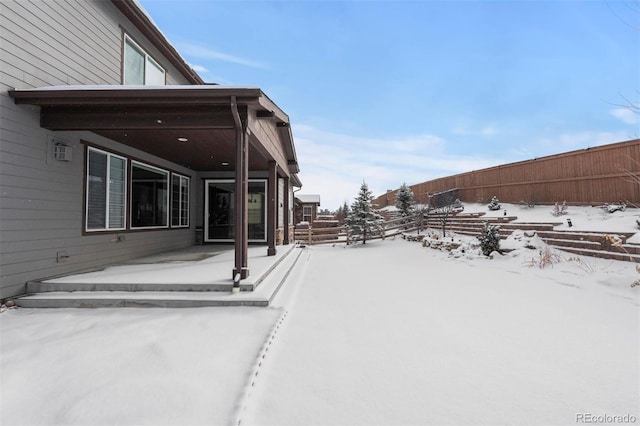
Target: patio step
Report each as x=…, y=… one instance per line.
x=264, y=289
x=140, y=299
x=48, y=287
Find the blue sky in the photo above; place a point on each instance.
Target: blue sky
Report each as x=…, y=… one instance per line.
x=406, y=91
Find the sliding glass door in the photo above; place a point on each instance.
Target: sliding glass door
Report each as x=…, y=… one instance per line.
x=220, y=216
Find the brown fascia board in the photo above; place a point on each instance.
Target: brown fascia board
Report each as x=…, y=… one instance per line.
x=131, y=10
x=295, y=181
x=290, y=149
x=130, y=95
x=267, y=104
x=284, y=126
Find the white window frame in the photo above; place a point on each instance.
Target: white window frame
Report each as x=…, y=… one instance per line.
x=148, y=60
x=109, y=155
x=183, y=222
x=307, y=215
x=168, y=197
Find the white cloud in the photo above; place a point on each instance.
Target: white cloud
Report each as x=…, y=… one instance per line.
x=334, y=164
x=572, y=141
x=198, y=68
x=193, y=50
x=625, y=115
x=464, y=130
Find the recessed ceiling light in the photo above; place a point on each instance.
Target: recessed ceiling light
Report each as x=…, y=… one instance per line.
x=182, y=139
x=224, y=163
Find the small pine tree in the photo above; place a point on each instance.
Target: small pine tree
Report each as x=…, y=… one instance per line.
x=489, y=239
x=404, y=200
x=363, y=221
x=342, y=213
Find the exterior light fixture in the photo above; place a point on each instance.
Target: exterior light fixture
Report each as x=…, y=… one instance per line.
x=183, y=139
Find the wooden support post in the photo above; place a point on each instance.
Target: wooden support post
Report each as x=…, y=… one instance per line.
x=241, y=237
x=285, y=212
x=245, y=204
x=272, y=207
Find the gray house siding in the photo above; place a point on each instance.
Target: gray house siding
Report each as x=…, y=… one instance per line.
x=41, y=199
x=67, y=43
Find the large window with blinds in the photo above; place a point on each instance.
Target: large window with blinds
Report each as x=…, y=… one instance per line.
x=153, y=197
x=106, y=191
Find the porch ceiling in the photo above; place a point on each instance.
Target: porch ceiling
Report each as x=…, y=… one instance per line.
x=157, y=119
x=204, y=150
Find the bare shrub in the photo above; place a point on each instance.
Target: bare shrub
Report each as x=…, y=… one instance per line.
x=586, y=266
x=545, y=258
x=616, y=241
x=559, y=209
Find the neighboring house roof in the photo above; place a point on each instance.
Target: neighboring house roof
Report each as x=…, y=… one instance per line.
x=309, y=198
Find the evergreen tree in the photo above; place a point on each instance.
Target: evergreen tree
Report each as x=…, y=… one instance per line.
x=489, y=239
x=363, y=221
x=404, y=200
x=342, y=213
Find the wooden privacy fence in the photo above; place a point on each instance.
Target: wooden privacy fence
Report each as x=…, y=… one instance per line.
x=591, y=176
x=338, y=234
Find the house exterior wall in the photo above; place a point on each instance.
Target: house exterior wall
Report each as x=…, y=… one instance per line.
x=282, y=193
x=42, y=200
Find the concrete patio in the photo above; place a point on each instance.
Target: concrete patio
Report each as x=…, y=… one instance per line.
x=193, y=277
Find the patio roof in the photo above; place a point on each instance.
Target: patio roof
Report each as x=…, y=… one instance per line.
x=156, y=118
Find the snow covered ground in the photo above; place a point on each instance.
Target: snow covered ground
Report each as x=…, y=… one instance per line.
x=407, y=335
x=384, y=333
x=582, y=218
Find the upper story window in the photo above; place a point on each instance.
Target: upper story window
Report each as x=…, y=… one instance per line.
x=139, y=67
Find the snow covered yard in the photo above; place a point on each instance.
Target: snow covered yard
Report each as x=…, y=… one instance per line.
x=583, y=218
x=394, y=333
x=128, y=366
x=385, y=333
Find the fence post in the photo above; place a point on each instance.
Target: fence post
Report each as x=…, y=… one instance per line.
x=384, y=230
x=309, y=237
